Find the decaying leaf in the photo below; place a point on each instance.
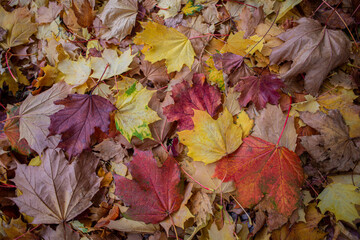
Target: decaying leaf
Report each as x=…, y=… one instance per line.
x=333, y=150
x=322, y=50
x=154, y=193
x=56, y=191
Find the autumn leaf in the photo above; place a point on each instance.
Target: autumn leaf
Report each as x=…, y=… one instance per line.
x=190, y=9
x=84, y=13
x=48, y=14
x=211, y=139
x=166, y=43
x=18, y=25
x=155, y=73
x=133, y=114
x=56, y=191
x=259, y=90
x=260, y=169
x=199, y=96
x=76, y=72
x=154, y=193
x=77, y=121
x=168, y=8
x=237, y=44
x=35, y=112
x=333, y=150
x=340, y=199
x=62, y=232
x=323, y=50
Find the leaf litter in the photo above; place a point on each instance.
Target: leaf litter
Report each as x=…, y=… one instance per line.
x=175, y=119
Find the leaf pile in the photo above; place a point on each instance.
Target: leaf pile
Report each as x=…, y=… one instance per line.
x=183, y=119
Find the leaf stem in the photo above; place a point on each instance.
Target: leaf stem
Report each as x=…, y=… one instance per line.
x=102, y=75
x=287, y=117
x=27, y=232
x=173, y=224
x=250, y=222
x=7, y=65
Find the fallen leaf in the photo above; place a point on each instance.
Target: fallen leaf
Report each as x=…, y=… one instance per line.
x=155, y=73
x=182, y=215
x=310, y=105
x=259, y=90
x=259, y=169
x=269, y=125
x=340, y=199
x=231, y=101
x=126, y=225
x=168, y=8
x=35, y=112
x=214, y=75
x=210, y=140
x=187, y=98
x=119, y=16
x=239, y=45
x=323, y=50
x=18, y=25
x=84, y=13
x=226, y=232
x=133, y=114
x=56, y=191
x=154, y=193
x=201, y=207
x=116, y=65
x=77, y=121
x=333, y=150
x=61, y=232
x=250, y=20
x=166, y=43
x=48, y=14
x=190, y=9
x=76, y=72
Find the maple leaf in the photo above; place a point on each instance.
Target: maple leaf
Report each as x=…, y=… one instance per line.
x=117, y=65
x=211, y=139
x=190, y=9
x=133, y=114
x=259, y=169
x=269, y=125
x=48, y=14
x=199, y=96
x=76, y=72
x=333, y=149
x=154, y=193
x=259, y=90
x=62, y=232
x=322, y=51
x=18, y=26
x=56, y=191
x=155, y=73
x=168, y=8
x=34, y=115
x=238, y=45
x=119, y=16
x=84, y=13
x=77, y=121
x=166, y=43
x=250, y=20
x=340, y=199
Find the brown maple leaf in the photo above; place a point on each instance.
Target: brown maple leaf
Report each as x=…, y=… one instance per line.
x=56, y=191
x=333, y=150
x=314, y=50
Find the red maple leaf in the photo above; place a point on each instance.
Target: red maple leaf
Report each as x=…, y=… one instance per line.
x=154, y=193
x=261, y=168
x=77, y=121
x=200, y=96
x=259, y=90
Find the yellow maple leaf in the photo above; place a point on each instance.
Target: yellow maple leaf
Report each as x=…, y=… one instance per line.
x=134, y=115
x=215, y=76
x=165, y=43
x=19, y=26
x=238, y=45
x=310, y=104
x=211, y=139
x=51, y=76
x=76, y=72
